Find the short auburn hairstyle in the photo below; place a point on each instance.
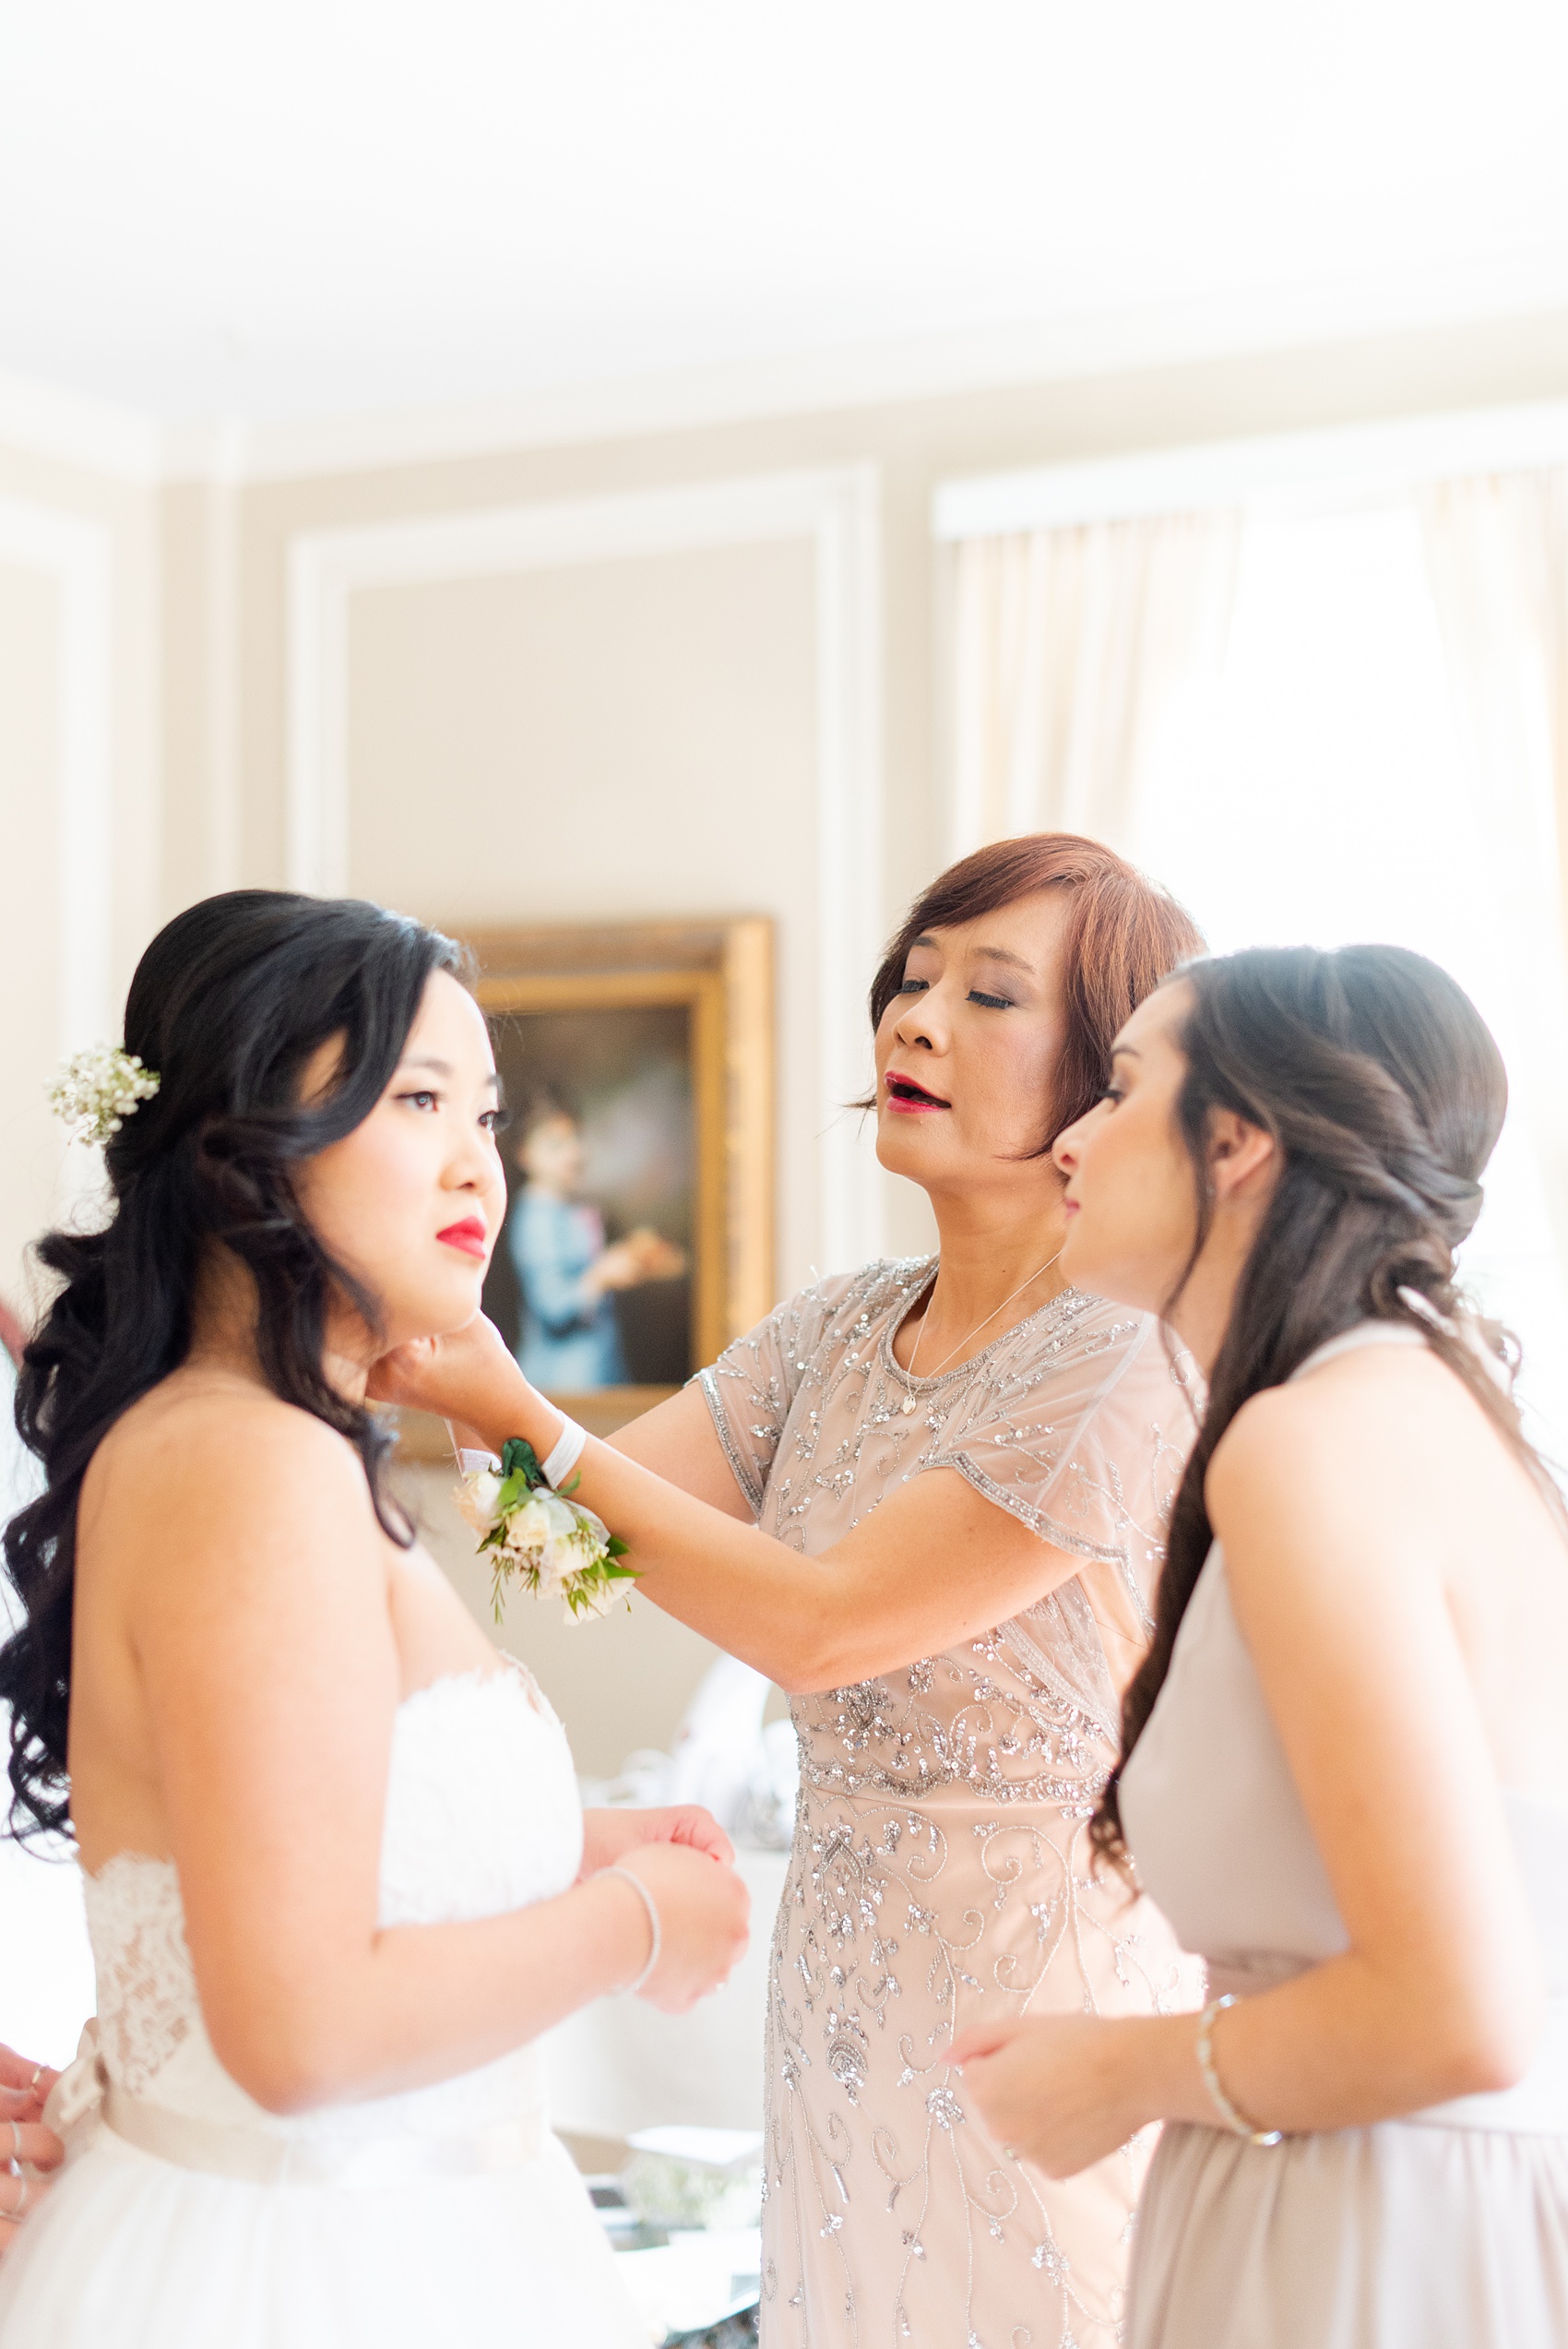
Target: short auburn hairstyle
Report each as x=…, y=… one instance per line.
x=1124, y=934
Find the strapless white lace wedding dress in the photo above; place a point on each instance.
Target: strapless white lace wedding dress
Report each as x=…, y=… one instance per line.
x=447, y=2213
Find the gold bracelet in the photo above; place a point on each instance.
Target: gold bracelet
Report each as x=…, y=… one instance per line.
x=1233, y=2120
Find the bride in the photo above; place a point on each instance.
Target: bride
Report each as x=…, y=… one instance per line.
x=337, y=1876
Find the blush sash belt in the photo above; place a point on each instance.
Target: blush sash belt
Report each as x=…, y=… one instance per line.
x=82, y=2101
x=236, y=2151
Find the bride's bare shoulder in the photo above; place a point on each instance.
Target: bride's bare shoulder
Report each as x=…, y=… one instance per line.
x=203, y=1443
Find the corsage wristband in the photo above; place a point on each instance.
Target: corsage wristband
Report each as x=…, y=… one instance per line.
x=565, y=1453
x=1234, y=2121
x=630, y=1876
x=531, y=1529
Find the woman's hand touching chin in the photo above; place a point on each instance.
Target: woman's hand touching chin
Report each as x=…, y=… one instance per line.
x=468, y=1377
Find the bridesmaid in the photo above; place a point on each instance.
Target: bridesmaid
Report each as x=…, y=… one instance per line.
x=960, y=1471
x=1347, y=1755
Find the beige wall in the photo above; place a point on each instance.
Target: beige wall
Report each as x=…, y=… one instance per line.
x=30, y=951
x=913, y=444
x=539, y=735
x=582, y=697
x=81, y=845
x=625, y=738
x=620, y=1683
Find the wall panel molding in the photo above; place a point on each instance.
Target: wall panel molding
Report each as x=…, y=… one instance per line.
x=836, y=510
x=75, y=556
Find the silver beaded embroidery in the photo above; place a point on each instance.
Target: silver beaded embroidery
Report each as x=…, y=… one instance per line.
x=940, y=1863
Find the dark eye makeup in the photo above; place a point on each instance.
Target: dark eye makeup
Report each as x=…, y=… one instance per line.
x=976, y=994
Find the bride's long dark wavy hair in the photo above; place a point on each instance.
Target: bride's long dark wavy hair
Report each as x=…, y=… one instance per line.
x=227, y=1004
x=1381, y=1082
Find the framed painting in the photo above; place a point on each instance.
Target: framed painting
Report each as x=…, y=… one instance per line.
x=636, y=1066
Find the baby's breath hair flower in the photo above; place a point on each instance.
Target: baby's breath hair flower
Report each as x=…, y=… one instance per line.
x=99, y=1088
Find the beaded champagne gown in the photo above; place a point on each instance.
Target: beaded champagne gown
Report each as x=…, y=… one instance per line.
x=191, y=2218
x=941, y=1871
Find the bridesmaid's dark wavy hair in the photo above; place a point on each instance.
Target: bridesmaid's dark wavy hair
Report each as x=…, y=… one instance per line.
x=227, y=1004
x=1381, y=1082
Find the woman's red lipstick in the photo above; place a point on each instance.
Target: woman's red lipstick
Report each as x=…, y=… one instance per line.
x=909, y=1098
x=470, y=1235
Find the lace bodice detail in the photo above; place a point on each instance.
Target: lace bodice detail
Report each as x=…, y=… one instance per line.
x=483, y=1815
x=146, y=1995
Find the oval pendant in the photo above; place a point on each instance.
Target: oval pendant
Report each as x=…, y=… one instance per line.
x=908, y=1406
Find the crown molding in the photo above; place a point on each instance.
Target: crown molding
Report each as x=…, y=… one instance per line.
x=41, y=420
x=883, y=373
x=131, y=446
x=1384, y=459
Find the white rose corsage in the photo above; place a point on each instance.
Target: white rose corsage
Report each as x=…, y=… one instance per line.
x=549, y=1541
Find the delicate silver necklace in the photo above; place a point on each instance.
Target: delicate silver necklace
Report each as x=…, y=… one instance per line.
x=910, y=1404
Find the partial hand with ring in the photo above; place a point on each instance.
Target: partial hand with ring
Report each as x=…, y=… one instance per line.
x=29, y=2152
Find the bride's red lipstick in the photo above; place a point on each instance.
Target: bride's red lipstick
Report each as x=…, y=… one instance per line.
x=909, y=1098
x=469, y=1236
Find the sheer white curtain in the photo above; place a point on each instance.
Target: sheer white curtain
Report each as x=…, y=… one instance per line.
x=1086, y=657
x=1497, y=556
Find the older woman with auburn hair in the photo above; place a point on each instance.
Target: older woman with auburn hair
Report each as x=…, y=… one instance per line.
x=930, y=1498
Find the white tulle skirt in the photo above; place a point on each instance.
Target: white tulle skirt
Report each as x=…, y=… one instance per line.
x=132, y=2252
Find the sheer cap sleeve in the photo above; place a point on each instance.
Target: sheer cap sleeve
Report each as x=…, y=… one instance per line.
x=752, y=1387
x=1085, y=1444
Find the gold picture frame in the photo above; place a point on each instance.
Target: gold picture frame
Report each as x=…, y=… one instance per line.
x=720, y=974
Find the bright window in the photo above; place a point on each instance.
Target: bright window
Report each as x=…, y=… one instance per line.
x=1334, y=806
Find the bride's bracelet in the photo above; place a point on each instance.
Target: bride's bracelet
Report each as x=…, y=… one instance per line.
x=1234, y=2121
x=651, y=1906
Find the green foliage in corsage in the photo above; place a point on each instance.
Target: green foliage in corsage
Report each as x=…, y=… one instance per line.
x=550, y=1542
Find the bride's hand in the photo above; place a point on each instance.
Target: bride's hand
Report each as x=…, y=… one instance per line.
x=468, y=1376
x=703, y=1909
x=608, y=1836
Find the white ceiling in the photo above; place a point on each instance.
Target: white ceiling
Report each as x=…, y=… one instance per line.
x=283, y=209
